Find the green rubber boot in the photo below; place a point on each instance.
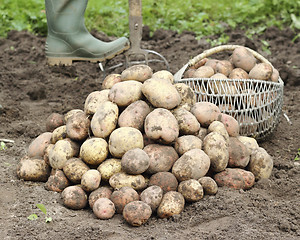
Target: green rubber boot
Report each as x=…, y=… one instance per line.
x=69, y=40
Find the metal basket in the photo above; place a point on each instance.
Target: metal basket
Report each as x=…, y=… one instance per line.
x=255, y=104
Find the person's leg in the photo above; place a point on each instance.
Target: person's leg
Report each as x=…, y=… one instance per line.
x=68, y=39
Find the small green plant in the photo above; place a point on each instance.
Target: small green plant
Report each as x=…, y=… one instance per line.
x=44, y=210
x=3, y=146
x=297, y=158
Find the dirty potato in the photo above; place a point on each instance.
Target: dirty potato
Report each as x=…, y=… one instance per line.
x=187, y=122
x=53, y=121
x=260, y=164
x=74, y=197
x=135, y=161
x=33, y=169
x=37, y=147
x=109, y=167
x=191, y=190
x=205, y=112
x=137, y=213
x=90, y=180
x=139, y=72
x=165, y=180
x=152, y=195
x=164, y=74
x=243, y=58
x=209, y=185
x=101, y=192
x=186, y=143
x=121, y=179
x=239, y=155
x=171, y=204
x=57, y=181
x=104, y=208
x=93, y=100
x=111, y=80
x=74, y=168
x=78, y=126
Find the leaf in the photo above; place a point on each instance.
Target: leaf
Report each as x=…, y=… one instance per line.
x=32, y=217
x=296, y=21
x=48, y=219
x=42, y=208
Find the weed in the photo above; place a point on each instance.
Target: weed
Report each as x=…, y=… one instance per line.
x=44, y=210
x=3, y=146
x=297, y=158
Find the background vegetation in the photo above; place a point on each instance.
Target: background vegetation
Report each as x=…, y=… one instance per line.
x=203, y=17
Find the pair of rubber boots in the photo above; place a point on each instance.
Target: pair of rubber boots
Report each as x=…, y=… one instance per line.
x=68, y=39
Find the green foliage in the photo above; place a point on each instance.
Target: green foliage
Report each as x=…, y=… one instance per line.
x=297, y=158
x=44, y=211
x=2, y=146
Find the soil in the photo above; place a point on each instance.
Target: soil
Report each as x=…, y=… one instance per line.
x=31, y=90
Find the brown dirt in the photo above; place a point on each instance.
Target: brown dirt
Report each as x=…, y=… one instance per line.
x=31, y=91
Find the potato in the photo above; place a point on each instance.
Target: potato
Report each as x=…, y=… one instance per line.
x=74, y=197
x=186, y=143
x=121, y=179
x=77, y=126
x=219, y=76
x=248, y=125
x=238, y=73
x=137, y=213
x=260, y=164
x=94, y=99
x=205, y=112
x=186, y=93
x=212, y=63
x=47, y=152
x=61, y=152
x=231, y=124
x=135, y=161
x=202, y=133
x=94, y=151
x=53, y=121
x=105, y=119
x=104, y=208
x=219, y=127
x=123, y=196
x=224, y=66
x=161, y=125
x=209, y=185
x=189, y=73
x=71, y=113
x=203, y=72
x=243, y=58
x=111, y=80
x=152, y=196
x=187, y=122
x=59, y=133
x=33, y=169
x=101, y=192
x=74, y=169
x=123, y=139
x=162, y=157
x=165, y=180
x=171, y=204
x=90, y=180
x=199, y=63
x=161, y=93
x=164, y=74
x=134, y=115
x=215, y=146
x=36, y=148
x=275, y=75
x=249, y=142
x=235, y=178
x=57, y=181
x=109, y=167
x=125, y=93
x=140, y=72
x=191, y=190
x=239, y=155
x=261, y=71
x=192, y=164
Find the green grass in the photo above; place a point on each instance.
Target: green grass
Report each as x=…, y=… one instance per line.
x=205, y=18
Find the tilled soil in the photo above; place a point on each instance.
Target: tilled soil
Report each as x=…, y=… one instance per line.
x=31, y=91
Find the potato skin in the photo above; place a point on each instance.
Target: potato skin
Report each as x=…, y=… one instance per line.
x=261, y=164
x=238, y=73
x=137, y=213
x=57, y=181
x=53, y=121
x=205, y=112
x=109, y=167
x=152, y=195
x=135, y=161
x=249, y=142
x=187, y=94
x=219, y=127
x=59, y=133
x=239, y=155
x=172, y=203
x=209, y=185
x=224, y=66
x=243, y=58
x=165, y=180
x=187, y=122
x=94, y=99
x=186, y=143
x=90, y=180
x=74, y=169
x=191, y=190
x=231, y=124
x=139, y=72
x=203, y=72
x=77, y=126
x=104, y=208
x=261, y=71
x=111, y=80
x=37, y=147
x=101, y=192
x=74, y=197
x=33, y=170
x=121, y=179
x=164, y=74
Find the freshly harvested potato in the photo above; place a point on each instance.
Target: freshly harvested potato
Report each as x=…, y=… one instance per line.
x=236, y=178
x=104, y=208
x=33, y=169
x=162, y=126
x=186, y=143
x=134, y=115
x=205, y=112
x=61, y=152
x=216, y=147
x=209, y=185
x=238, y=73
x=94, y=151
x=121, y=179
x=171, y=204
x=187, y=122
x=212, y=63
x=77, y=126
x=260, y=164
x=191, y=190
x=123, y=139
x=57, y=181
x=231, y=124
x=90, y=180
x=37, y=147
x=59, y=133
x=243, y=58
x=187, y=94
x=203, y=72
x=109, y=167
x=165, y=180
x=135, y=161
x=275, y=75
x=261, y=71
x=71, y=113
x=199, y=63
x=125, y=93
x=202, y=133
x=123, y=196
x=189, y=73
x=137, y=213
x=94, y=99
x=111, y=80
x=74, y=197
x=105, y=119
x=219, y=127
x=193, y=164
x=239, y=155
x=74, y=168
x=152, y=196
x=249, y=142
x=219, y=76
x=101, y=192
x=140, y=72
x=47, y=152
x=248, y=125
x=224, y=66
x=164, y=74
x=53, y=121
x=162, y=157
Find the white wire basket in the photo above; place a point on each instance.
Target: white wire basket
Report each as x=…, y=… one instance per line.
x=255, y=104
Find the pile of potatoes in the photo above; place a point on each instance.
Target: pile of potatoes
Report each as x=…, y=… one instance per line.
x=142, y=146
